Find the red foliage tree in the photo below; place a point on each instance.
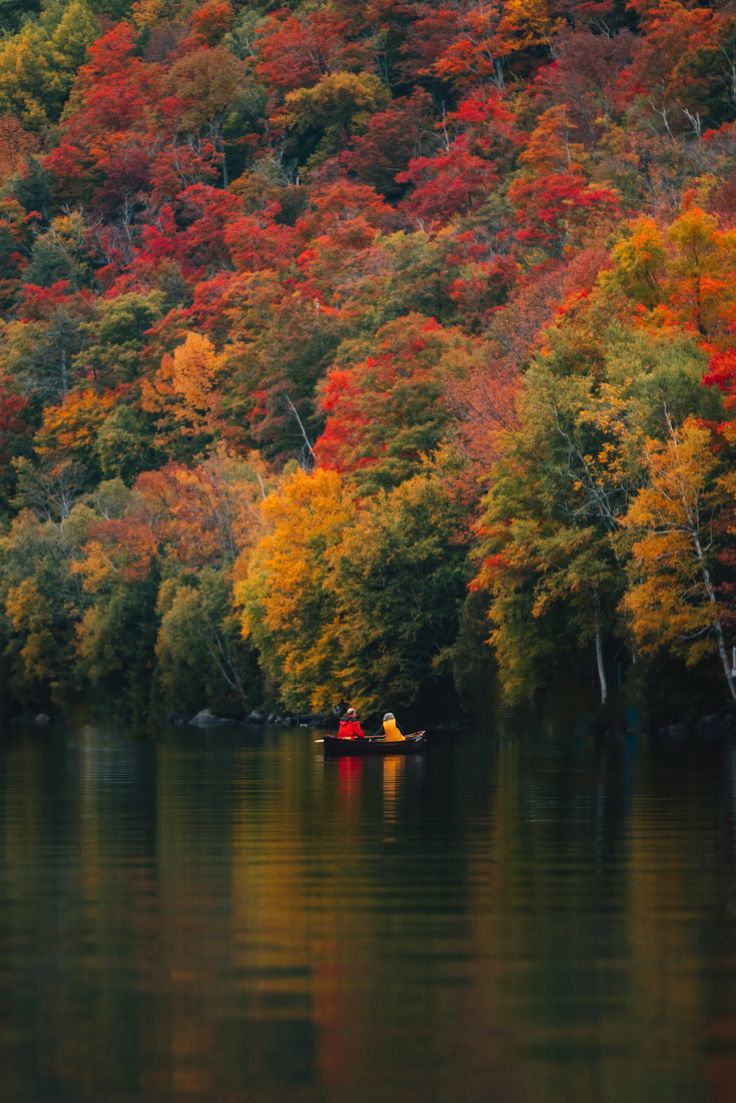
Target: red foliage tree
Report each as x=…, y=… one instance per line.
x=392, y=138
x=296, y=51
x=386, y=410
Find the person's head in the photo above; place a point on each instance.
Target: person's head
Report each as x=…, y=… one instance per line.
x=389, y=716
x=351, y=712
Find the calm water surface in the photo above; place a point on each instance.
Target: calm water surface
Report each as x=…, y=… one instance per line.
x=224, y=917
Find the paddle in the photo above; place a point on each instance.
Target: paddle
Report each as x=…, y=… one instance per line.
x=367, y=738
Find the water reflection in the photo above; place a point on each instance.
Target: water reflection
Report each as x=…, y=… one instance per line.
x=215, y=918
x=393, y=769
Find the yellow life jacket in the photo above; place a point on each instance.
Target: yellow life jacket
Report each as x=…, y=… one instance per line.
x=393, y=735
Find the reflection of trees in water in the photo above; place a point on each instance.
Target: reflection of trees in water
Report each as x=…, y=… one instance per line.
x=222, y=915
x=605, y=846
x=393, y=769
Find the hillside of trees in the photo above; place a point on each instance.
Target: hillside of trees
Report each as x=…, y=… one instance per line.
x=365, y=350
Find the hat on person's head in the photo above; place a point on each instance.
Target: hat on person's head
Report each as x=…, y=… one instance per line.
x=389, y=716
x=351, y=712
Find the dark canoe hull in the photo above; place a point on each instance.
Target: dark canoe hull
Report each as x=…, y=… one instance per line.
x=413, y=744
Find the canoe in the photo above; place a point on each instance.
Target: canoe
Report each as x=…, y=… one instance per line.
x=413, y=744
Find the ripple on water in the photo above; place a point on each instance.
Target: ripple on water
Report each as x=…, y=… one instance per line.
x=227, y=917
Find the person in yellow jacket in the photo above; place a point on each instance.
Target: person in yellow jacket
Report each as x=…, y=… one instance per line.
x=391, y=729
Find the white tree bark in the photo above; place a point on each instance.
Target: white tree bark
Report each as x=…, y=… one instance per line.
x=602, y=680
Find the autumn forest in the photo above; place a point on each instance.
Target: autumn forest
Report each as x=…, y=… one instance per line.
x=366, y=350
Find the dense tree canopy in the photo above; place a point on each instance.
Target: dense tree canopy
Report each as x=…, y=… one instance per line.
x=341, y=340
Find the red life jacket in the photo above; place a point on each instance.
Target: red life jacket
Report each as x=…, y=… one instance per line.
x=350, y=728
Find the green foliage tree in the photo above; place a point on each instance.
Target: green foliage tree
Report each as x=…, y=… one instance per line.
x=40, y=604
x=201, y=657
x=116, y=636
x=365, y=606
x=39, y=353
x=39, y=62
x=551, y=565
x=62, y=252
x=399, y=577
x=124, y=443
x=12, y=12
x=322, y=118
x=114, y=342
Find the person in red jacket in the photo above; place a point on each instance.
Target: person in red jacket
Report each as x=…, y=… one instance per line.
x=350, y=727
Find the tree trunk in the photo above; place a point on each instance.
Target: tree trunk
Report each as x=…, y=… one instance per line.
x=724, y=658
x=307, y=443
x=717, y=626
x=226, y=665
x=720, y=638
x=599, y=657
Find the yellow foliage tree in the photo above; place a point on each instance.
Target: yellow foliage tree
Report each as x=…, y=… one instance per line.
x=70, y=429
x=282, y=588
x=185, y=392
x=681, y=276
x=672, y=600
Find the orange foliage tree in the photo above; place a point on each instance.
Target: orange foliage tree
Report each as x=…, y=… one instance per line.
x=672, y=598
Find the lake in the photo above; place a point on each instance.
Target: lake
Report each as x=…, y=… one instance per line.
x=523, y=914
